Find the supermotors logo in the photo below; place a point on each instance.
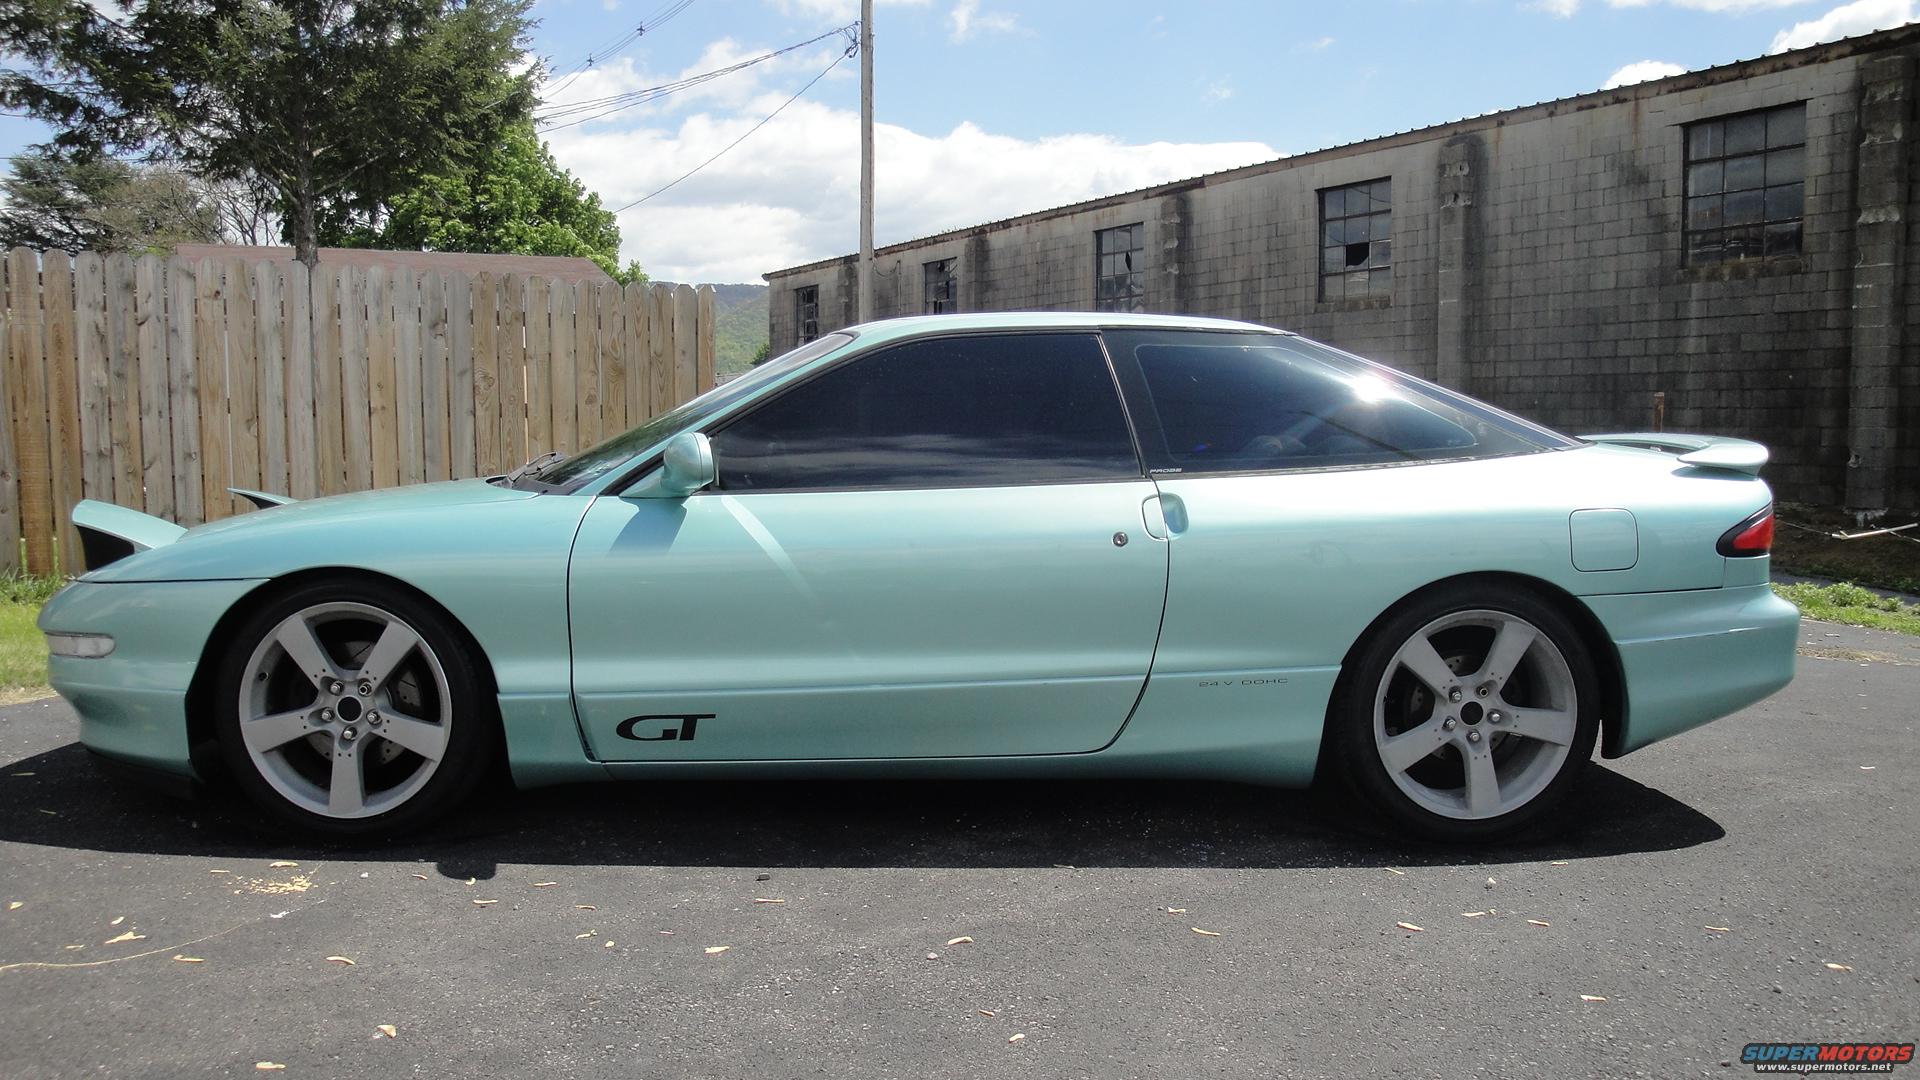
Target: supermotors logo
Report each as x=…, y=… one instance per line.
x=1826, y=1057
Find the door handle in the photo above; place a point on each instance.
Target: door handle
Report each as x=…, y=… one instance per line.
x=1165, y=516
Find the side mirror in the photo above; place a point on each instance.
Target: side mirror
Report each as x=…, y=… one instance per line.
x=686, y=466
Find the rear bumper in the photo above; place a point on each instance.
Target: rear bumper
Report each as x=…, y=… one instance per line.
x=1693, y=656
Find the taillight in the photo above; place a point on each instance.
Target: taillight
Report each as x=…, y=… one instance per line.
x=1751, y=537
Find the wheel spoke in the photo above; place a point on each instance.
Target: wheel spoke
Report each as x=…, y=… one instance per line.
x=1419, y=657
x=297, y=638
x=1483, y=782
x=347, y=792
x=1510, y=645
x=1409, y=748
x=396, y=641
x=1547, y=725
x=427, y=740
x=264, y=733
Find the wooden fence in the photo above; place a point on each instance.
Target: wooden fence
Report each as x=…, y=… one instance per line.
x=158, y=383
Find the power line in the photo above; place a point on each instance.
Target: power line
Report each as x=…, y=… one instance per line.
x=849, y=51
x=619, y=45
x=575, y=113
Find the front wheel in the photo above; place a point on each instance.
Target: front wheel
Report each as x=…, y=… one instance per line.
x=1469, y=714
x=351, y=708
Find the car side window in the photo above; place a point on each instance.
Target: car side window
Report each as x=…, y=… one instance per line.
x=965, y=411
x=1264, y=402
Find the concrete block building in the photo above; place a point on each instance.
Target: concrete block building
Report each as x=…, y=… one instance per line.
x=1731, y=250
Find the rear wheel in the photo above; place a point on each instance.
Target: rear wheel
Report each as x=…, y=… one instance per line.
x=1469, y=714
x=351, y=708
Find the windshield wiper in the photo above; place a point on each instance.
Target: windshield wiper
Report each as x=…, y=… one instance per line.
x=532, y=467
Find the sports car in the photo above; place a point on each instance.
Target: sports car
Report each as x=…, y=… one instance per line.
x=988, y=545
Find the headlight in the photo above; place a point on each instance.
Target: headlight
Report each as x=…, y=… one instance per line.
x=83, y=646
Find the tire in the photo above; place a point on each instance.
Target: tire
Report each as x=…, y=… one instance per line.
x=351, y=709
x=1468, y=714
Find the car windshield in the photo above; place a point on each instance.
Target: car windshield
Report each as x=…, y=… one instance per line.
x=571, y=473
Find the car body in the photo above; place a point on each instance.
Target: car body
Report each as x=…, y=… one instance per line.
x=826, y=601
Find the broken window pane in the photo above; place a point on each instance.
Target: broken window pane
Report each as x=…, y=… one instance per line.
x=806, y=312
x=1119, y=259
x=941, y=295
x=1356, y=226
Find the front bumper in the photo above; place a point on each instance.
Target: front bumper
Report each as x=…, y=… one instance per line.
x=132, y=702
x=1695, y=655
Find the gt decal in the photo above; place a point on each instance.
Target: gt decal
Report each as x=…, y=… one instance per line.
x=682, y=731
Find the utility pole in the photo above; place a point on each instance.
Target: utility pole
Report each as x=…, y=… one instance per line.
x=865, y=309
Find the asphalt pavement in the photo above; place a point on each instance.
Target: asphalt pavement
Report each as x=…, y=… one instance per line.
x=1752, y=881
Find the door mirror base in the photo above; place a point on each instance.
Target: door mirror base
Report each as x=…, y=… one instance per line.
x=686, y=466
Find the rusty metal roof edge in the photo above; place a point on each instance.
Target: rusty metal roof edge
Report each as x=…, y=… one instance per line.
x=1874, y=41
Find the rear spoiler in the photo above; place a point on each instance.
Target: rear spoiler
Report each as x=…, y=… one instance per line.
x=109, y=533
x=1700, y=451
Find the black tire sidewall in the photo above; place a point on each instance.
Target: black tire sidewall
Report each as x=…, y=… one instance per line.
x=472, y=742
x=1350, y=720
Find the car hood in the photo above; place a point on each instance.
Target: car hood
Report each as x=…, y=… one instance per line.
x=156, y=544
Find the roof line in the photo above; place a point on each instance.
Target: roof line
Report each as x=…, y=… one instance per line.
x=1874, y=41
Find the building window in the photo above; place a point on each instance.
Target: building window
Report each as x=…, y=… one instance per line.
x=1356, y=241
x=806, y=312
x=1745, y=182
x=942, y=295
x=1118, y=276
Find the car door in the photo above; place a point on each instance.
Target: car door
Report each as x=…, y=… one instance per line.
x=930, y=549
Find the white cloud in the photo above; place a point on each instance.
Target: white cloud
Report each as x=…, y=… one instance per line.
x=1562, y=8
x=1642, y=71
x=966, y=19
x=1860, y=17
x=1217, y=90
x=788, y=194
x=1321, y=44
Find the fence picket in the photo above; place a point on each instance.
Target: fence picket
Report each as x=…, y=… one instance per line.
x=273, y=407
x=9, y=452
x=150, y=278
x=243, y=381
x=123, y=385
x=485, y=393
x=30, y=428
x=90, y=346
x=63, y=402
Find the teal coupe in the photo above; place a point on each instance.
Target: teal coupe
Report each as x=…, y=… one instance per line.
x=987, y=545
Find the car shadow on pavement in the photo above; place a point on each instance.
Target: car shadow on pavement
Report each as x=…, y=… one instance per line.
x=60, y=799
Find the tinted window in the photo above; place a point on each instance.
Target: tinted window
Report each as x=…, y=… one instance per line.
x=1259, y=402
x=962, y=411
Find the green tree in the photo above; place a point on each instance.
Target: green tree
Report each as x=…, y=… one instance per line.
x=329, y=108
x=102, y=204
x=516, y=200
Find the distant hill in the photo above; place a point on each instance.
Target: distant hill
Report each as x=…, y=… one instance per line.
x=740, y=317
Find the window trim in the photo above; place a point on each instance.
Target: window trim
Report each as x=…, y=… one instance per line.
x=799, y=322
x=749, y=408
x=950, y=266
x=1687, y=162
x=1320, y=275
x=1137, y=271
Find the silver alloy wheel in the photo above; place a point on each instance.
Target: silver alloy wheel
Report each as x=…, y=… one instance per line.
x=345, y=710
x=1475, y=714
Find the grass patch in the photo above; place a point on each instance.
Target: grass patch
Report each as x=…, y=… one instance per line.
x=1854, y=606
x=23, y=652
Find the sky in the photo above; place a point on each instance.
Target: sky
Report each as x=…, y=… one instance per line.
x=989, y=108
